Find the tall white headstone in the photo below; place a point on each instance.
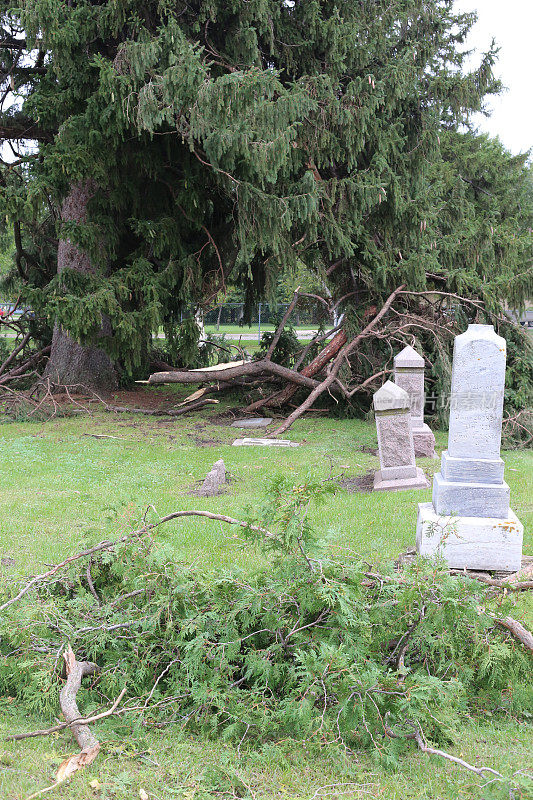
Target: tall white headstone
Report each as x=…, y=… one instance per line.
x=470, y=522
x=409, y=375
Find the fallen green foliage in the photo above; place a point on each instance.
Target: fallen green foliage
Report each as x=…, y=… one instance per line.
x=308, y=647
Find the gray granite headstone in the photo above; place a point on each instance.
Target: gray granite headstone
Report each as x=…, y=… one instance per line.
x=253, y=422
x=409, y=375
x=395, y=441
x=482, y=532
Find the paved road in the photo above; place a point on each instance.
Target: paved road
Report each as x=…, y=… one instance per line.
x=254, y=337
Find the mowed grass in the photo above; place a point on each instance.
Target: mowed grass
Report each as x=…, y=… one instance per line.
x=60, y=486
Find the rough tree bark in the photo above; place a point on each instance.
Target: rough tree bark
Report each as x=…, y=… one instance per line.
x=70, y=362
x=316, y=366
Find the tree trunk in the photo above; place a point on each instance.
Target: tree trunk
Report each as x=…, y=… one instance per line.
x=70, y=362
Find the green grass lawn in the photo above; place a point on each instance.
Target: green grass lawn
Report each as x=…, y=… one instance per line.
x=60, y=485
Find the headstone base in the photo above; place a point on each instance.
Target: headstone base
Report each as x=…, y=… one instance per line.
x=419, y=481
x=472, y=470
x=424, y=442
x=470, y=499
x=265, y=443
x=484, y=543
x=252, y=422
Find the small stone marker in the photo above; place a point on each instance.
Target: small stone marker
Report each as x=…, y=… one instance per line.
x=265, y=443
x=253, y=422
x=409, y=375
x=213, y=480
x=395, y=441
x=469, y=521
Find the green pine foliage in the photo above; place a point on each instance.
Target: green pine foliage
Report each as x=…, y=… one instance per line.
x=482, y=223
x=287, y=347
x=234, y=138
x=308, y=646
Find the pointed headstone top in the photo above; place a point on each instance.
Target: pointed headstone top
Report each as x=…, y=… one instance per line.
x=391, y=397
x=408, y=357
x=486, y=333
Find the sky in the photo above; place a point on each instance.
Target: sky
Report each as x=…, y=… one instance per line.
x=510, y=22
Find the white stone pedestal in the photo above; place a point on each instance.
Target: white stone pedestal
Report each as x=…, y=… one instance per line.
x=482, y=543
x=417, y=481
x=469, y=521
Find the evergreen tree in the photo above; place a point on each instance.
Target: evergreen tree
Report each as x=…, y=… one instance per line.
x=181, y=142
x=482, y=225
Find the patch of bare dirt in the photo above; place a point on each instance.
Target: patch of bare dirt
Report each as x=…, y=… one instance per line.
x=361, y=483
x=205, y=441
x=144, y=398
x=366, y=449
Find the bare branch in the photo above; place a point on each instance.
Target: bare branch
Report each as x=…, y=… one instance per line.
x=282, y=324
x=109, y=544
x=345, y=351
x=417, y=735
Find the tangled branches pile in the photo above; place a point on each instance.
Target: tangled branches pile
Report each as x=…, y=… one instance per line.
x=308, y=646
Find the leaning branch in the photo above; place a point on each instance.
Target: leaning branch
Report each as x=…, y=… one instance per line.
x=282, y=324
x=342, y=354
x=14, y=353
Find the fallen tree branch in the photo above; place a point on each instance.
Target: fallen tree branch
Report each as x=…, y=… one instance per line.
x=17, y=737
x=418, y=736
x=109, y=544
x=516, y=582
x=518, y=630
x=14, y=353
x=279, y=397
x=18, y=371
x=89, y=744
x=250, y=368
x=343, y=353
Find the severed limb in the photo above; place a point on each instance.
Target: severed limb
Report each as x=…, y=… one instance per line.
x=518, y=630
x=87, y=741
x=229, y=372
x=317, y=365
x=341, y=355
x=417, y=734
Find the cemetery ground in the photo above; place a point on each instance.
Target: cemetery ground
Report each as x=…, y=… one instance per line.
x=93, y=476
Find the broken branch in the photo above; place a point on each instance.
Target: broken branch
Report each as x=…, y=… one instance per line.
x=345, y=351
x=16, y=737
